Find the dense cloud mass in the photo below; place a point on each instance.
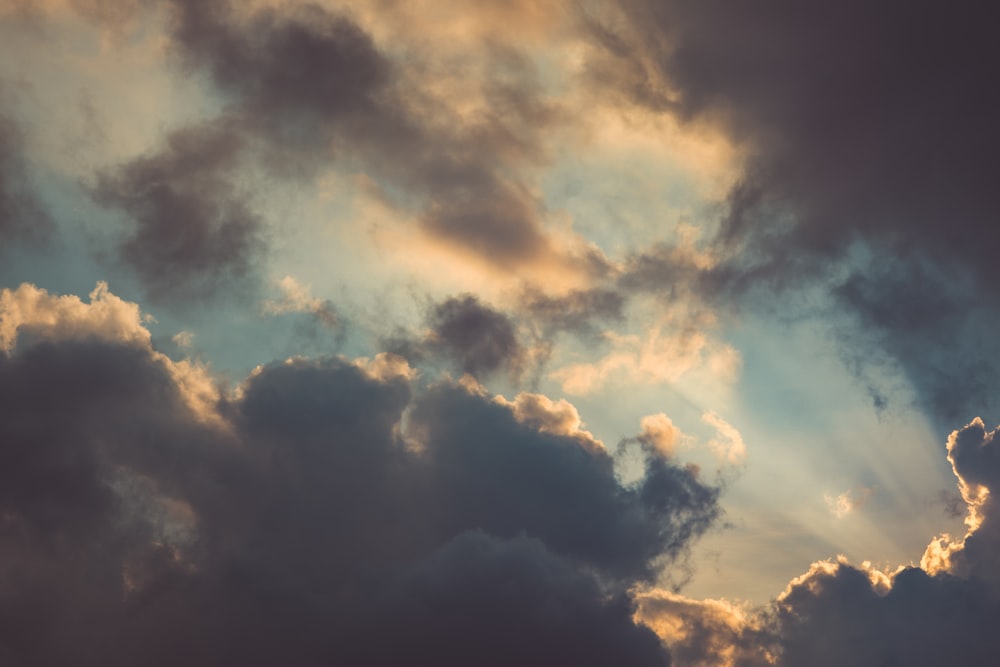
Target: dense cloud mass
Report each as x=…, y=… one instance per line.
x=304, y=519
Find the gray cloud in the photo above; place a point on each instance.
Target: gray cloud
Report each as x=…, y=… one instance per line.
x=481, y=340
x=190, y=228
x=469, y=336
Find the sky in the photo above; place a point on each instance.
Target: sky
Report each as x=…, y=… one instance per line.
x=648, y=332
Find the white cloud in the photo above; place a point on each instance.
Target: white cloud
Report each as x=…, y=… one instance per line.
x=297, y=297
x=728, y=446
x=848, y=502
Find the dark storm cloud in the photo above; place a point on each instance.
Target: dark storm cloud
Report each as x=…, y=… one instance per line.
x=869, y=130
x=190, y=228
x=314, y=523
x=320, y=90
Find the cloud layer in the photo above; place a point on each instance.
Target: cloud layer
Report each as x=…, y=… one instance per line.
x=525, y=196
x=330, y=510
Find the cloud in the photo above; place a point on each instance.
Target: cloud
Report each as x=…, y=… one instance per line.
x=854, y=178
x=32, y=311
x=659, y=434
x=508, y=602
x=474, y=337
x=831, y=146
x=836, y=613
x=729, y=446
x=140, y=529
x=183, y=339
x=847, y=502
x=318, y=88
x=189, y=227
x=22, y=215
x=577, y=311
x=480, y=339
x=975, y=462
x=556, y=417
x=482, y=445
x=297, y=298
x=671, y=349
x=839, y=614
x=704, y=633
x=32, y=315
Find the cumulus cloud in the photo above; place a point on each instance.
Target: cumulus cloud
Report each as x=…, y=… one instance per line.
x=31, y=311
x=705, y=633
x=140, y=530
x=974, y=459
